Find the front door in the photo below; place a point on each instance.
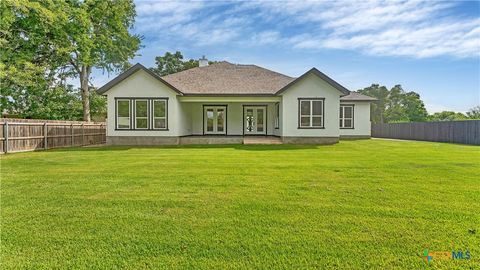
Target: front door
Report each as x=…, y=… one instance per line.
x=215, y=120
x=254, y=119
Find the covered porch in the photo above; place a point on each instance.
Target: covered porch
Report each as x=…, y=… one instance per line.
x=230, y=117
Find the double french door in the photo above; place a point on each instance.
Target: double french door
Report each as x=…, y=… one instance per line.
x=215, y=120
x=255, y=122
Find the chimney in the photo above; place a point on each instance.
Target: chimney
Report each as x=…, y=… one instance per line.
x=203, y=62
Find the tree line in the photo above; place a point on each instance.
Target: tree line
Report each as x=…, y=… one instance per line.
x=398, y=105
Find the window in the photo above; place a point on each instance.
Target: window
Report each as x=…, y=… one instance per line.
x=346, y=116
x=159, y=114
x=310, y=113
x=141, y=114
x=277, y=115
x=123, y=113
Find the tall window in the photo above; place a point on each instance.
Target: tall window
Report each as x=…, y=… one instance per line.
x=141, y=114
x=346, y=116
x=311, y=113
x=277, y=115
x=159, y=114
x=123, y=114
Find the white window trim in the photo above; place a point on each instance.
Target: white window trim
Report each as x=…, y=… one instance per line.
x=140, y=117
x=159, y=117
x=129, y=114
x=311, y=115
x=342, y=119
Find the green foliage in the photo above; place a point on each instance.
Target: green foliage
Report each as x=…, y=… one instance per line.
x=447, y=116
x=44, y=43
x=395, y=105
x=474, y=113
x=172, y=63
x=369, y=204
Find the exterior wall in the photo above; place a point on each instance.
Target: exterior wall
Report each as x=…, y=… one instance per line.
x=311, y=87
x=142, y=84
x=234, y=116
x=361, y=121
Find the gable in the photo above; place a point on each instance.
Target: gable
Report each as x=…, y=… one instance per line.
x=133, y=74
x=318, y=74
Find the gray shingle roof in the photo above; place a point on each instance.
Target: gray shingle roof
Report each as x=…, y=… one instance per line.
x=228, y=78
x=354, y=96
x=224, y=78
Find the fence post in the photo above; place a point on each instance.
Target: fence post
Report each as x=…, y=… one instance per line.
x=83, y=135
x=5, y=137
x=45, y=132
x=71, y=132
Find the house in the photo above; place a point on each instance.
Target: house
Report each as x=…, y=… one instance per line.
x=224, y=102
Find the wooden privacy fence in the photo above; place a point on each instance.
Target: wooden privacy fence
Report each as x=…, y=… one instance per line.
x=465, y=132
x=18, y=135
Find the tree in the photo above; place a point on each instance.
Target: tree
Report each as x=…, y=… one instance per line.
x=474, y=113
x=447, y=116
x=377, y=108
x=171, y=63
x=99, y=38
x=32, y=53
x=44, y=43
x=395, y=105
x=414, y=107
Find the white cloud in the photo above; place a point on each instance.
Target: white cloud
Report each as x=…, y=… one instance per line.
x=406, y=28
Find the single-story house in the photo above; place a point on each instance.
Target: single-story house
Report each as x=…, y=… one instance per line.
x=225, y=103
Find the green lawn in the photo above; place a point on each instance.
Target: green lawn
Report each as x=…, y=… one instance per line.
x=357, y=204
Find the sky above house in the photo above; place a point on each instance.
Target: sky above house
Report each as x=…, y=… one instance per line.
x=432, y=47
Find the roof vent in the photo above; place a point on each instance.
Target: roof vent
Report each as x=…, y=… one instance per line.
x=203, y=62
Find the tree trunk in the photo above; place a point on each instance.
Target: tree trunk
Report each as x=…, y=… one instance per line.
x=84, y=75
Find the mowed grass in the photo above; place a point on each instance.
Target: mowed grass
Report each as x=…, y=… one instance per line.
x=368, y=204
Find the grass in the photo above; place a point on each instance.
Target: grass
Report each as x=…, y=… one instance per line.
x=370, y=204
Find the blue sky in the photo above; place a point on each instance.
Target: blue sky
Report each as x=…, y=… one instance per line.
x=430, y=47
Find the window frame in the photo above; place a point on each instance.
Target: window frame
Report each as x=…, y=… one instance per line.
x=342, y=119
x=117, y=100
x=143, y=117
x=277, y=116
x=153, y=113
x=215, y=108
x=132, y=111
x=311, y=115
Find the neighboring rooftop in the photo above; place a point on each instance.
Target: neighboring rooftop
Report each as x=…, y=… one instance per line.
x=227, y=78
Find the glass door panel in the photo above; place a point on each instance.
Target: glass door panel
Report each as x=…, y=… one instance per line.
x=255, y=120
x=215, y=120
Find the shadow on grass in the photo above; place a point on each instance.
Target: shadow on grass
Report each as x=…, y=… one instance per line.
x=257, y=147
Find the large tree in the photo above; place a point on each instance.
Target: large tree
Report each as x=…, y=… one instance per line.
x=44, y=43
x=99, y=37
x=171, y=63
x=395, y=105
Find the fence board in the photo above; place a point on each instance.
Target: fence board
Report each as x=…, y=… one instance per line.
x=19, y=135
x=464, y=132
